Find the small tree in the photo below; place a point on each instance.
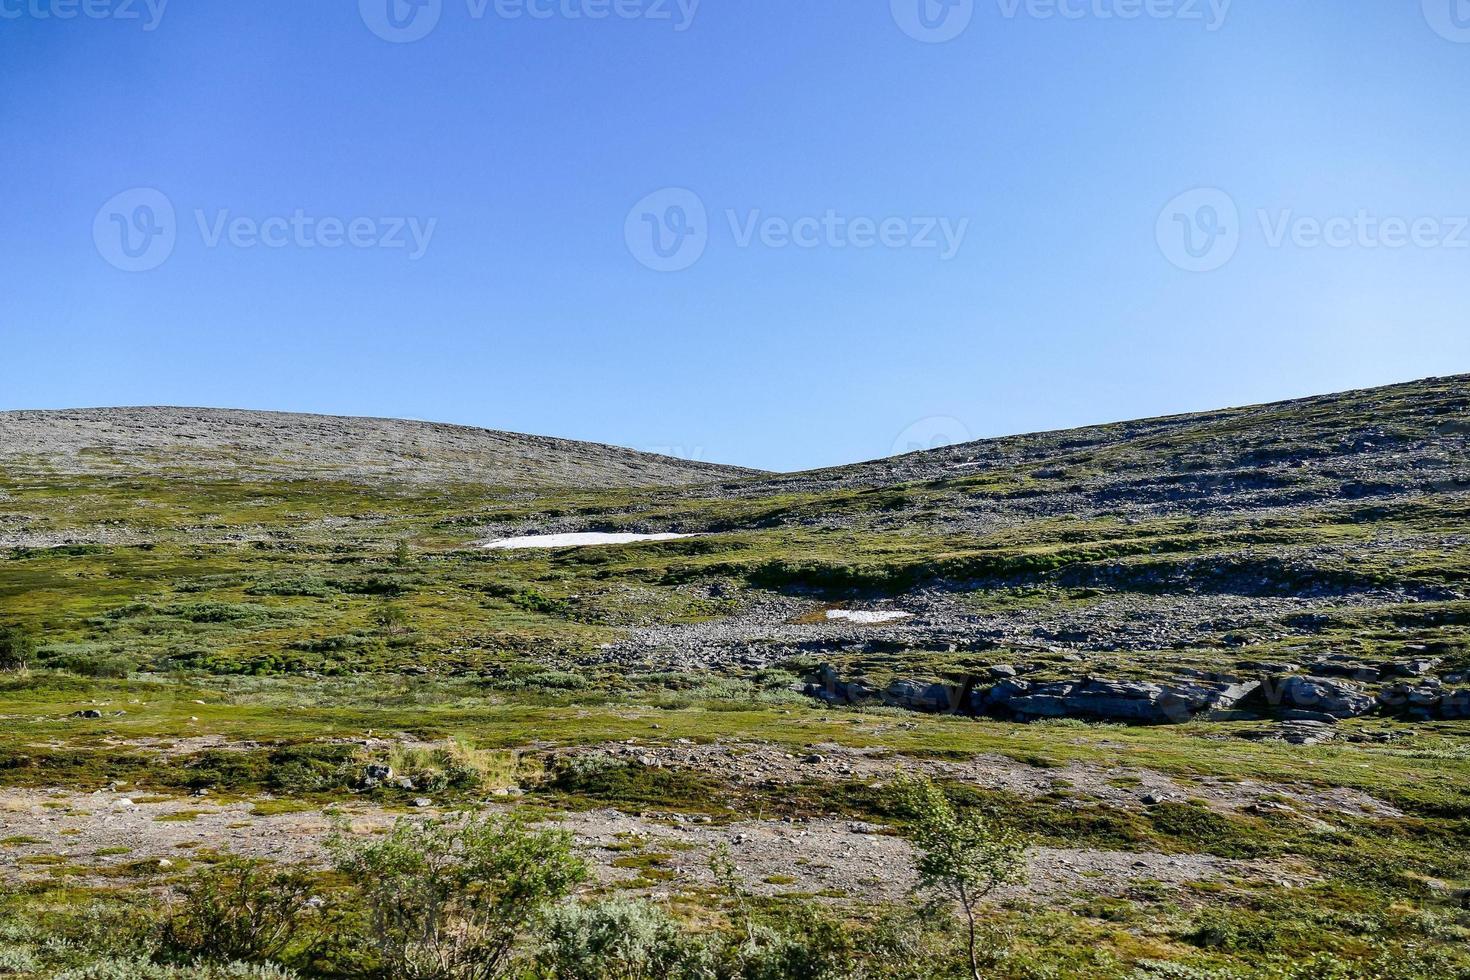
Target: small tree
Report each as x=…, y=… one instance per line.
x=962, y=858
x=391, y=618
x=402, y=556
x=17, y=648
x=453, y=899
x=238, y=911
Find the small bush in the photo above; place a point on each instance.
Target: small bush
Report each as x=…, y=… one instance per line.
x=109, y=666
x=454, y=899
x=239, y=910
x=619, y=938
x=17, y=648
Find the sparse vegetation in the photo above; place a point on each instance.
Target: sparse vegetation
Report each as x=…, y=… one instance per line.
x=285, y=644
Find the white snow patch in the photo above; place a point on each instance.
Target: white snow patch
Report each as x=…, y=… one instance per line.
x=866, y=617
x=577, y=540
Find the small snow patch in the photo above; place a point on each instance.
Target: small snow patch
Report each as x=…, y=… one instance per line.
x=576, y=540
x=867, y=618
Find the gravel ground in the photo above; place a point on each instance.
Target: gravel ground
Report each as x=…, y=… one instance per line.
x=108, y=830
x=1126, y=787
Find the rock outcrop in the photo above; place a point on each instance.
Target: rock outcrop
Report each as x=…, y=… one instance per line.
x=1012, y=697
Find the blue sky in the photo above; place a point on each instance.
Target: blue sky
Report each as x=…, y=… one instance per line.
x=1315, y=153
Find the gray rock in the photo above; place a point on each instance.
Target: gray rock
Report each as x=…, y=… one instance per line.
x=1411, y=668
x=1113, y=700
x=1339, y=699
x=918, y=696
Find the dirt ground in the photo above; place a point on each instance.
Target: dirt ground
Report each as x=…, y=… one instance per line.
x=99, y=835
x=1121, y=786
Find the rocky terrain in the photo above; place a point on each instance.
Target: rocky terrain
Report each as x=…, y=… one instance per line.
x=1215, y=668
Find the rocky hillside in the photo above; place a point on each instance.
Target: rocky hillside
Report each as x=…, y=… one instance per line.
x=206, y=442
x=1353, y=445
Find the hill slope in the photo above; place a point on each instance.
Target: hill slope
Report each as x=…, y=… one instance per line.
x=276, y=445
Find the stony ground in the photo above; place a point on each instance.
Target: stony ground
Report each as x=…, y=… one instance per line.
x=97, y=836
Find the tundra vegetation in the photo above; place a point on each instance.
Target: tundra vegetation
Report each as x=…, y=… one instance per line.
x=1182, y=698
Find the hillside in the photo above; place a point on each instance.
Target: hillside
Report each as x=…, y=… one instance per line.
x=1215, y=668
x=221, y=443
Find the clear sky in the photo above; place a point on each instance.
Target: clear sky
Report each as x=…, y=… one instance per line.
x=870, y=237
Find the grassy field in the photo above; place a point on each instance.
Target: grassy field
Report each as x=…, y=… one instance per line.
x=239, y=653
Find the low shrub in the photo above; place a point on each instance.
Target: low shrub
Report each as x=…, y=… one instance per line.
x=238, y=910
x=454, y=899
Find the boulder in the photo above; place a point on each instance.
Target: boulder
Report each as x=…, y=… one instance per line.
x=1115, y=700
x=1454, y=705
x=1339, y=699
x=828, y=686
x=919, y=696
x=375, y=774
x=1421, y=701
x=1351, y=670
x=1410, y=668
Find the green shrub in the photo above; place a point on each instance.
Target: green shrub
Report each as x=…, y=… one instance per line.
x=238, y=910
x=619, y=939
x=454, y=899
x=102, y=666
x=17, y=648
x=18, y=959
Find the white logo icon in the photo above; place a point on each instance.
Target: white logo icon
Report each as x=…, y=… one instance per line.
x=933, y=21
x=1449, y=18
x=934, y=432
x=136, y=230
x=401, y=21
x=668, y=230
x=1199, y=231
